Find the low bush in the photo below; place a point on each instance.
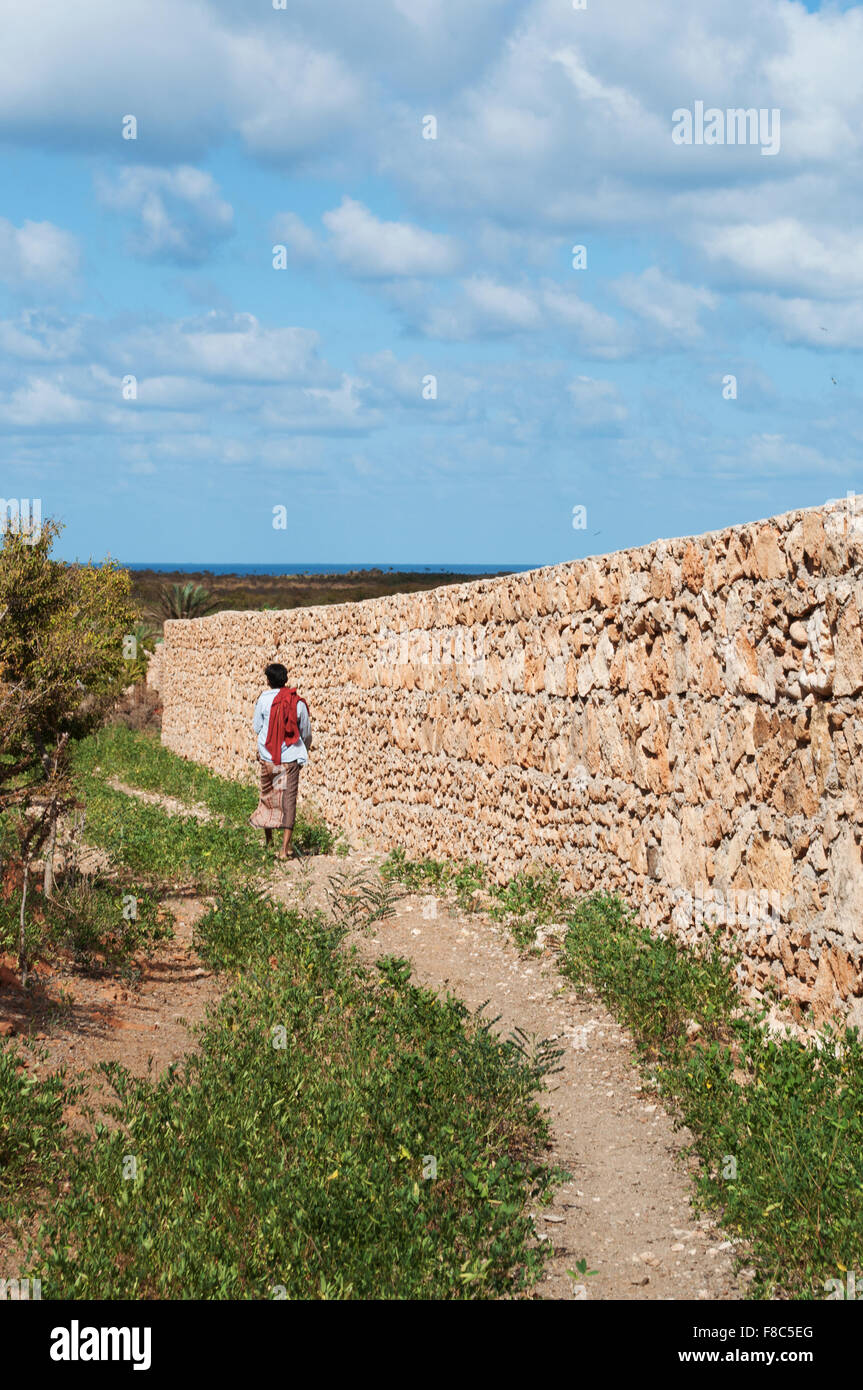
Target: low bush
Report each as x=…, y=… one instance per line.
x=335, y=1137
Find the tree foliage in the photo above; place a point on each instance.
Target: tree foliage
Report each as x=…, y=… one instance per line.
x=185, y=601
x=61, y=646
x=62, y=663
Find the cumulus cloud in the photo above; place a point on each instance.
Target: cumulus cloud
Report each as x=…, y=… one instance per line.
x=225, y=347
x=551, y=131
x=484, y=306
x=41, y=404
x=668, y=304
x=322, y=410
x=365, y=245
x=168, y=393
x=784, y=254
x=494, y=307
x=771, y=455
x=179, y=214
x=292, y=101
x=37, y=255
x=193, y=79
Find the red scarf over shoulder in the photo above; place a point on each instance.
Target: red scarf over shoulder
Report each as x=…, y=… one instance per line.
x=283, y=727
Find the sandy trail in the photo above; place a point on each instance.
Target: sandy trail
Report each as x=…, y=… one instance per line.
x=627, y=1208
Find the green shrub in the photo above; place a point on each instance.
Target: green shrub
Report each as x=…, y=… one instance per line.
x=530, y=900
x=32, y=1128
x=417, y=875
x=656, y=985
x=435, y=876
x=102, y=925
x=311, y=834
x=292, y=1156
x=786, y=1119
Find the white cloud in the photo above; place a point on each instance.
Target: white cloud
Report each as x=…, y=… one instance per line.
x=223, y=347
x=321, y=410
x=41, y=403
x=596, y=332
x=784, y=254
x=192, y=78
x=291, y=100
x=39, y=337
x=37, y=255
x=172, y=393
x=773, y=455
x=290, y=231
x=668, y=304
x=820, y=324
x=179, y=212
x=501, y=307
x=486, y=306
x=364, y=245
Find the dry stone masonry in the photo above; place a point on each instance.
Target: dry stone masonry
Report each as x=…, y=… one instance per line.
x=678, y=723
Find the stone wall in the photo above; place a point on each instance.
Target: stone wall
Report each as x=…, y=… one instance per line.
x=678, y=723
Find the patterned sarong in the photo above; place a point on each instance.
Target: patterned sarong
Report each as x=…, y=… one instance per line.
x=277, y=807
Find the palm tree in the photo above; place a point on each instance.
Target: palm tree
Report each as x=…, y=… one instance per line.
x=185, y=601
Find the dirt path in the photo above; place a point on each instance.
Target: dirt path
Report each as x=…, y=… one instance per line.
x=79, y=1020
x=627, y=1208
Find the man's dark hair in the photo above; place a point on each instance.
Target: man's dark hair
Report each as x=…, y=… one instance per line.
x=277, y=675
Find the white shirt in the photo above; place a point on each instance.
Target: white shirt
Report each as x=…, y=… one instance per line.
x=297, y=752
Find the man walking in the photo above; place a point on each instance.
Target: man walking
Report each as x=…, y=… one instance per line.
x=284, y=734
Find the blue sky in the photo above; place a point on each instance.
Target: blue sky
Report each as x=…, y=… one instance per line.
x=408, y=257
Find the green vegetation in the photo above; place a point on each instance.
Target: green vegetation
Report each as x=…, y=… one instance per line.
x=533, y=898
x=655, y=985
x=778, y=1125
x=244, y=592
x=140, y=834
x=185, y=601
x=100, y=925
x=61, y=646
x=32, y=1129
x=139, y=649
x=62, y=663
x=358, y=900
x=464, y=882
x=293, y=1155
x=339, y=1133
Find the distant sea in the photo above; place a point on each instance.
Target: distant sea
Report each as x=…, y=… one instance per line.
x=240, y=568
